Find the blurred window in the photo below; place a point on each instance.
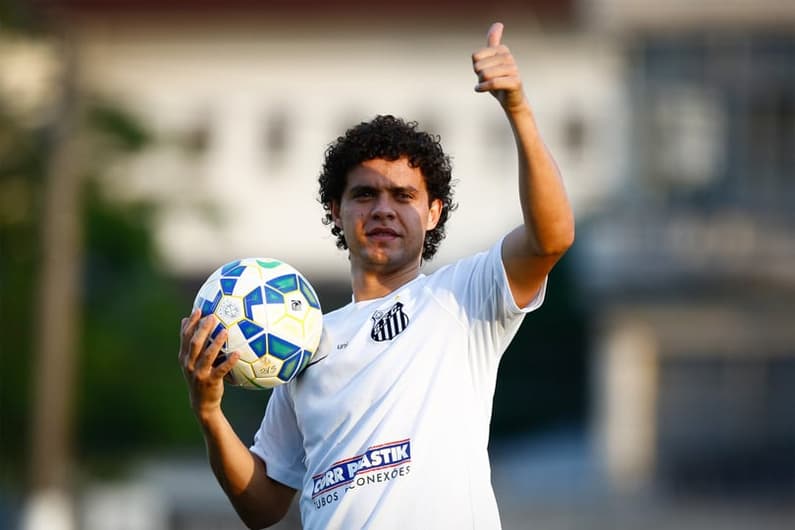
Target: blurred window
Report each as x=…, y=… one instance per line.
x=276, y=141
x=715, y=118
x=575, y=135
x=726, y=423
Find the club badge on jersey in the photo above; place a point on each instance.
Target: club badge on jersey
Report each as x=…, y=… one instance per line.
x=389, y=324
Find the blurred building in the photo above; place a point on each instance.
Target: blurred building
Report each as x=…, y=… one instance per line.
x=246, y=96
x=693, y=260
x=674, y=124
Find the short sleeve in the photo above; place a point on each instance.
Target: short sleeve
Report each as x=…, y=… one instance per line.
x=278, y=441
x=477, y=291
x=480, y=286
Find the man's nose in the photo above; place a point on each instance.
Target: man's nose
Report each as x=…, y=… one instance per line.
x=383, y=207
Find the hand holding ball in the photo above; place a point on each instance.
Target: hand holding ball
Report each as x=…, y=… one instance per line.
x=272, y=316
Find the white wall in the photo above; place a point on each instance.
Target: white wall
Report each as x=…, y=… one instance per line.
x=233, y=79
x=633, y=15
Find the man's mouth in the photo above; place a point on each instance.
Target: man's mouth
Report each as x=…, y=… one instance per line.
x=382, y=232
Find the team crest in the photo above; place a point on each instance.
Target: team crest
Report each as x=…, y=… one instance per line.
x=389, y=324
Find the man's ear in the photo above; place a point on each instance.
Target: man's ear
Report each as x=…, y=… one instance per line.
x=335, y=214
x=434, y=213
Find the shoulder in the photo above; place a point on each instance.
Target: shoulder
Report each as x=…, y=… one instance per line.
x=462, y=271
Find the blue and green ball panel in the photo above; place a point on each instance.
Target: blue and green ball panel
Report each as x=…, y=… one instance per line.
x=259, y=345
x=233, y=268
x=251, y=299
x=280, y=348
x=228, y=285
x=249, y=329
x=273, y=296
x=290, y=367
x=309, y=293
x=285, y=283
x=208, y=306
x=268, y=264
x=305, y=360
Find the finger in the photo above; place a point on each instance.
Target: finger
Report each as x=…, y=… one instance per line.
x=499, y=83
x=187, y=328
x=494, y=36
x=493, y=59
x=190, y=320
x=484, y=53
x=490, y=69
x=198, y=340
x=207, y=357
x=223, y=369
x=502, y=70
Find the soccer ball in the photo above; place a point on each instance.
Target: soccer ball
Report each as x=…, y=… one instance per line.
x=272, y=316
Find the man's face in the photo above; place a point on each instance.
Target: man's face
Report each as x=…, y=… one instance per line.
x=384, y=213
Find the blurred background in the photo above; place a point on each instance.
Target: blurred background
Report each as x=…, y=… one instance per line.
x=144, y=143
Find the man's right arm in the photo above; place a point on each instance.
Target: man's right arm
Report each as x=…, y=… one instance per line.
x=259, y=500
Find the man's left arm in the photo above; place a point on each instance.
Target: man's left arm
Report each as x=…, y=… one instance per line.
x=531, y=250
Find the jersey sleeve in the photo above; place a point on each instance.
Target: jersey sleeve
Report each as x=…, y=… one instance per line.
x=480, y=295
x=504, y=288
x=278, y=441
x=481, y=286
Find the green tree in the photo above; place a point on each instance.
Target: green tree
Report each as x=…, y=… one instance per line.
x=129, y=395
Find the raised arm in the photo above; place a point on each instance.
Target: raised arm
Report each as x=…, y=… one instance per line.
x=258, y=500
x=531, y=250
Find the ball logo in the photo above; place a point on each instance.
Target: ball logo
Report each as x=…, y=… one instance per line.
x=389, y=324
x=228, y=310
x=266, y=369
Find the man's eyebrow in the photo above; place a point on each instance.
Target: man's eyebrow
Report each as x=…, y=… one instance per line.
x=392, y=189
x=401, y=189
x=361, y=187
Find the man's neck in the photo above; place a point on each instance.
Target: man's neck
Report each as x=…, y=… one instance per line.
x=369, y=285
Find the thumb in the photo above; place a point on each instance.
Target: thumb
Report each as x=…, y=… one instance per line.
x=494, y=36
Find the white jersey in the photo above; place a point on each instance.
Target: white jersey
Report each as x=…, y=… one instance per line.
x=388, y=426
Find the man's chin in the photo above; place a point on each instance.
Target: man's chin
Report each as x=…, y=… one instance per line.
x=379, y=259
x=384, y=262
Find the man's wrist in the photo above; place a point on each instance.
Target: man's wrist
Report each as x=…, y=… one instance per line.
x=209, y=417
x=519, y=110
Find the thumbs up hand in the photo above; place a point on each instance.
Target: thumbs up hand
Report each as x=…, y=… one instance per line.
x=497, y=71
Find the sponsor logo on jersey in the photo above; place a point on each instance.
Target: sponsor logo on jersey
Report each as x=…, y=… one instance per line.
x=389, y=324
x=376, y=458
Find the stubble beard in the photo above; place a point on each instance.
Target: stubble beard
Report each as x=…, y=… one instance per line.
x=387, y=261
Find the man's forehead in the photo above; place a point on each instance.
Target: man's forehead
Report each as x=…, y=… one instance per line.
x=382, y=173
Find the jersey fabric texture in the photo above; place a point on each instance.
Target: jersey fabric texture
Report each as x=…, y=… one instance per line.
x=388, y=426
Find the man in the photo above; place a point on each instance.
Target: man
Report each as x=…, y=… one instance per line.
x=388, y=427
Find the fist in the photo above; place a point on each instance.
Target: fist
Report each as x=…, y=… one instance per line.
x=497, y=71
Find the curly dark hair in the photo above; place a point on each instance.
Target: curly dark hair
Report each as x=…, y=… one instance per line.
x=389, y=138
